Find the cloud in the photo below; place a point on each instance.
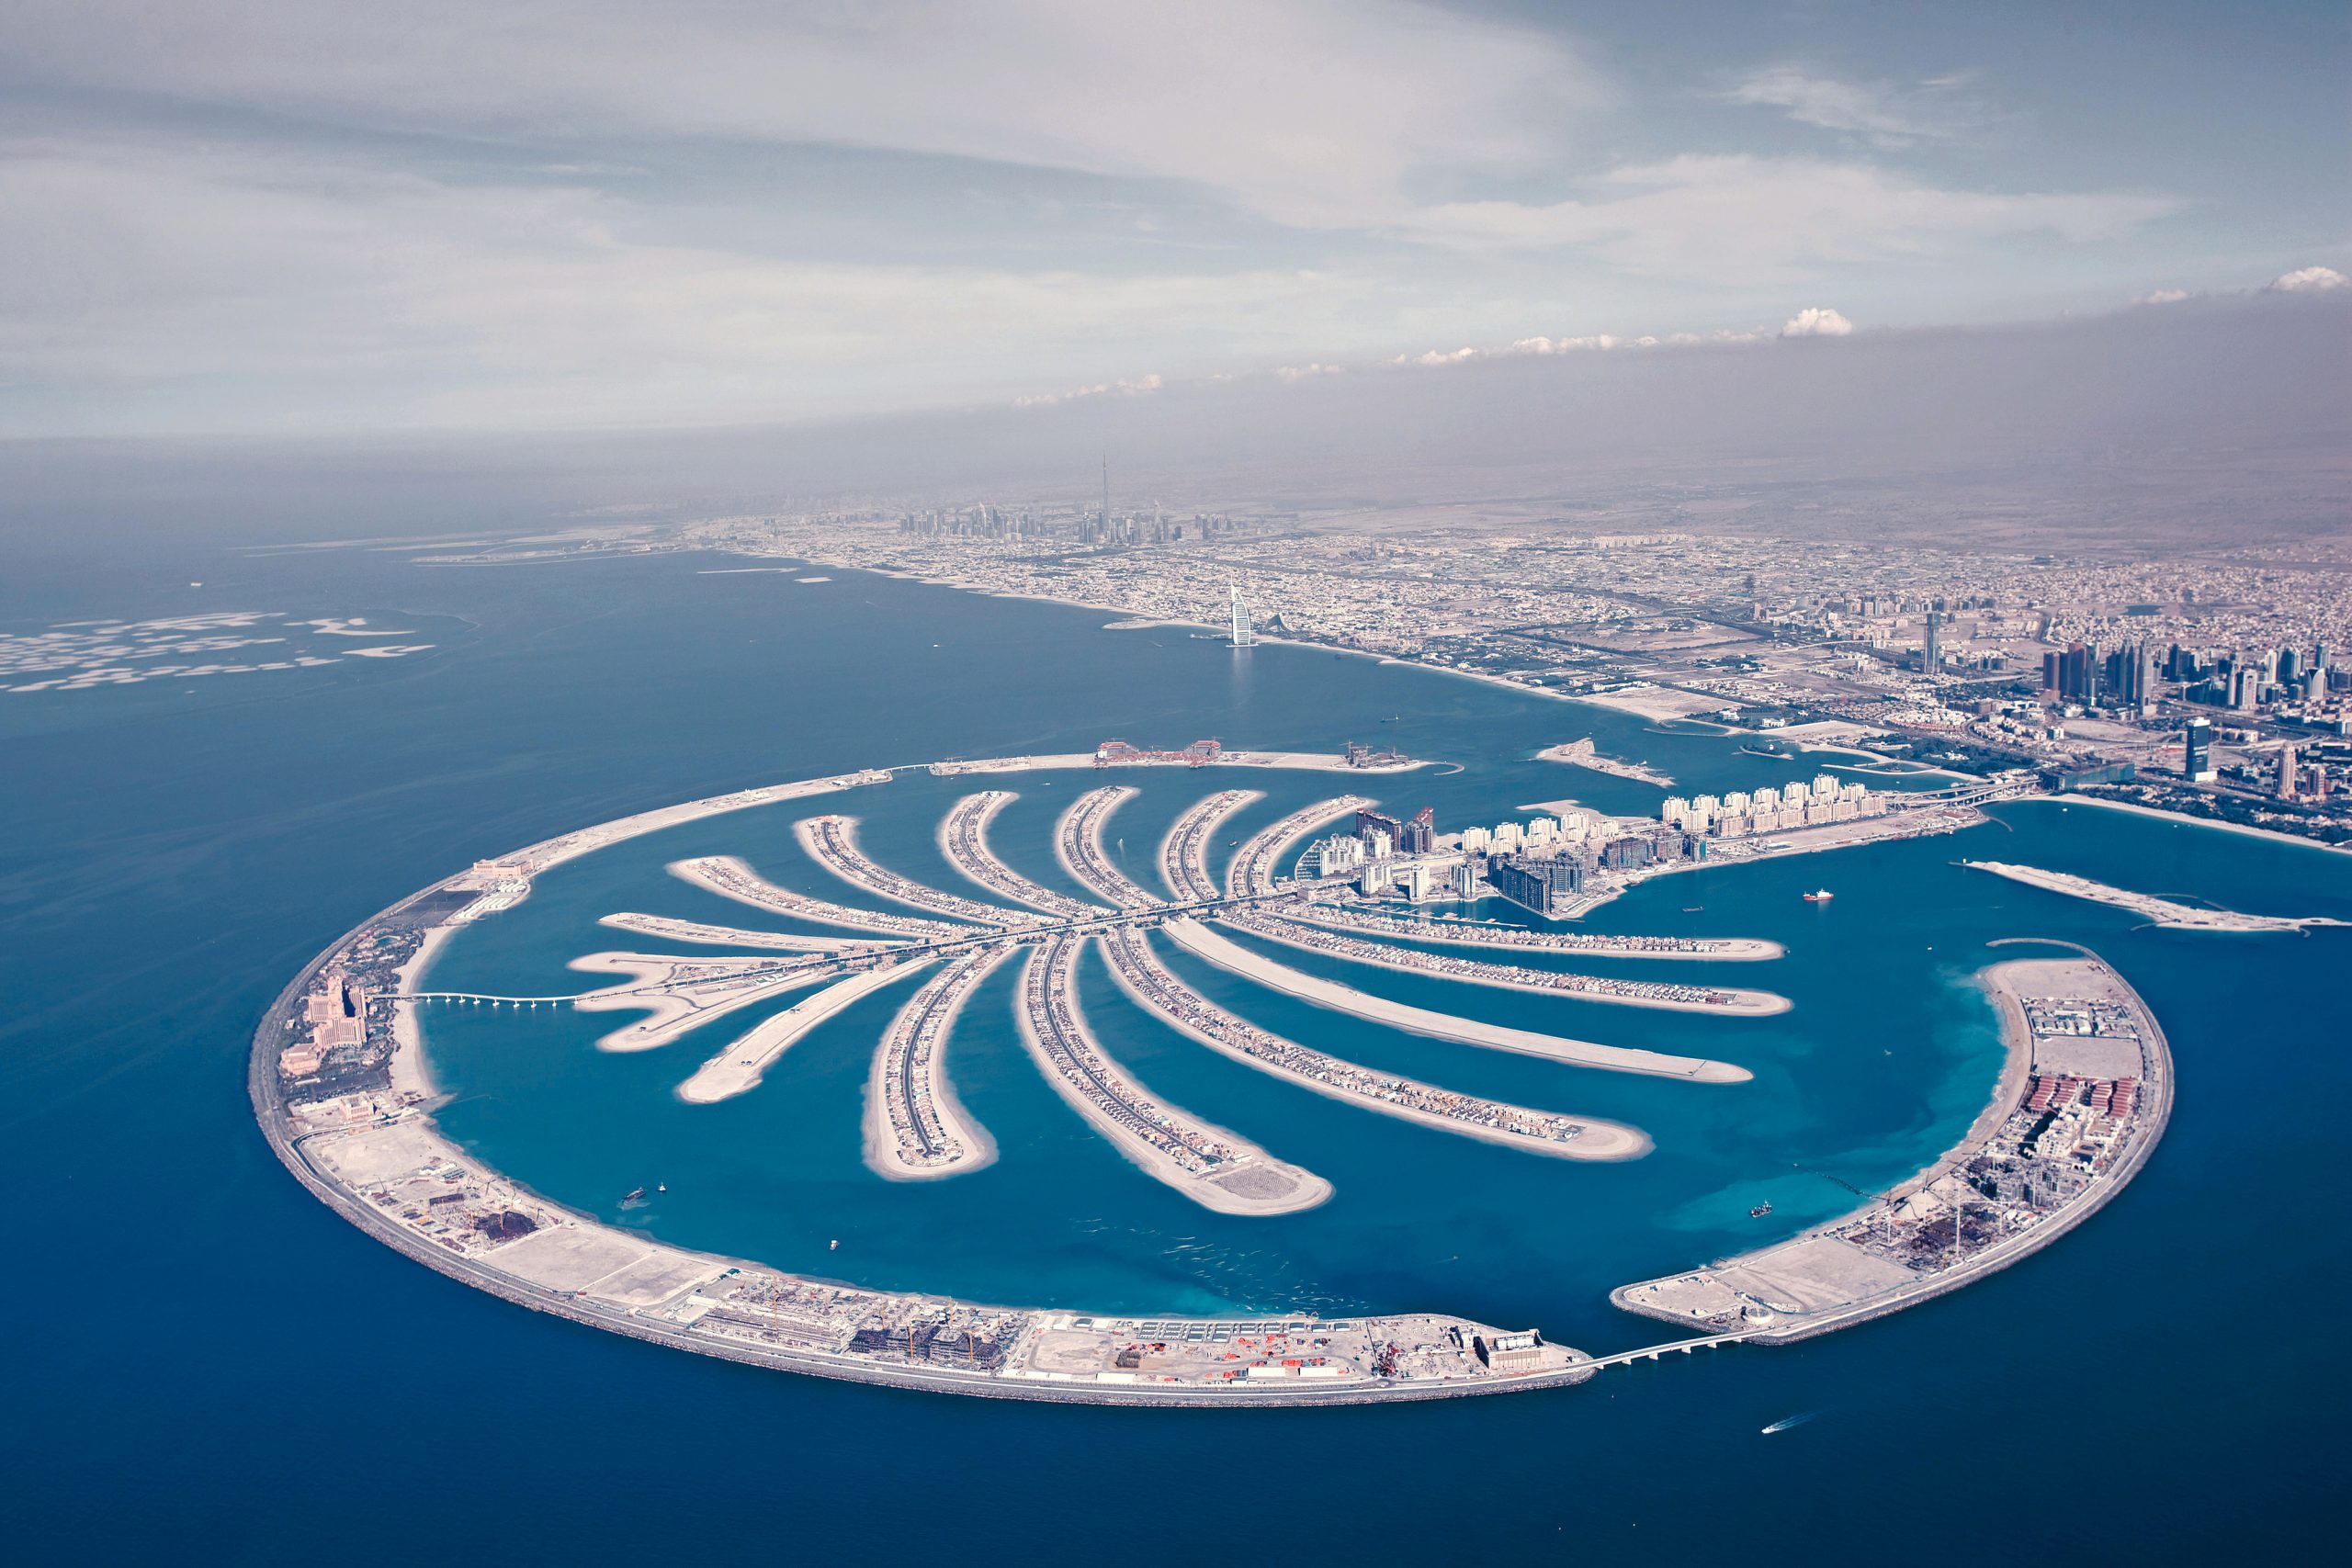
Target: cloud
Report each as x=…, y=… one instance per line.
x=2163, y=296
x=1437, y=356
x=1305, y=372
x=1880, y=112
x=1598, y=341
x=1743, y=219
x=2308, y=280
x=1815, y=321
x=1309, y=112
x=322, y=294
x=1123, y=387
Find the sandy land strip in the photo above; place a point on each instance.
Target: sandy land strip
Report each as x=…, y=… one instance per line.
x=1226, y=1188
x=1184, y=853
x=1657, y=703
x=2187, y=822
x=963, y=840
x=738, y=1069
x=1061, y=762
x=732, y=878
x=1203, y=943
x=675, y=1007
x=1078, y=844
x=1383, y=1093
x=915, y=1024
x=1313, y=762
x=553, y=852
x=1582, y=754
x=831, y=842
x=1469, y=933
x=735, y=936
x=2162, y=912
x=1736, y=1002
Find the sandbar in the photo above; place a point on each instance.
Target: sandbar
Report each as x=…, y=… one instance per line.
x=738, y=1069
x=680, y=995
x=1213, y=1166
x=1205, y=944
x=1721, y=1002
x=916, y=1129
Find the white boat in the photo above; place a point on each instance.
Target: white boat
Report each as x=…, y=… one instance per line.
x=1822, y=896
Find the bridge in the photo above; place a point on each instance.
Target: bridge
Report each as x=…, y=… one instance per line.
x=1652, y=1352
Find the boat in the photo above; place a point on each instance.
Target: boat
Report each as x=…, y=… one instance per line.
x=1760, y=1210
x=1694, y=908
x=1822, y=896
x=1786, y=1422
x=635, y=1196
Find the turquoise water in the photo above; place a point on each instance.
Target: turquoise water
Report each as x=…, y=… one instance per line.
x=205, y=1343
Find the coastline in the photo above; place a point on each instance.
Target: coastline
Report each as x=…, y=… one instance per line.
x=2184, y=820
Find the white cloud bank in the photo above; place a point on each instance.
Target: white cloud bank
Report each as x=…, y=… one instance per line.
x=1815, y=321
x=2310, y=280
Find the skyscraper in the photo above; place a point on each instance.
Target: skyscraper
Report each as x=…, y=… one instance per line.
x=1242, y=636
x=2196, y=751
x=1931, y=653
x=1420, y=833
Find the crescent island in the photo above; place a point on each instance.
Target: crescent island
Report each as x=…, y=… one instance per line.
x=341, y=1091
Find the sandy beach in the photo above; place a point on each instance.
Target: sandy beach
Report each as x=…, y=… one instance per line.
x=672, y=1007
x=2186, y=821
x=1582, y=754
x=738, y=1069
x=2162, y=912
x=410, y=1075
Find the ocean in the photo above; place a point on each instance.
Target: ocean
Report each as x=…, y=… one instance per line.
x=211, y=1364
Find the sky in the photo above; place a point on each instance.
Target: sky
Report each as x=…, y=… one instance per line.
x=269, y=218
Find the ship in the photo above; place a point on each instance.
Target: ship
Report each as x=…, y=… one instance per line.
x=1821, y=897
x=635, y=1196
x=1760, y=1210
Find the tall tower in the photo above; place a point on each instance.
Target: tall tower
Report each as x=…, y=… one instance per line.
x=1242, y=636
x=2197, y=751
x=1932, y=655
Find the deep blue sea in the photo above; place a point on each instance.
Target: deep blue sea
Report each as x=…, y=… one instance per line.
x=209, y=1366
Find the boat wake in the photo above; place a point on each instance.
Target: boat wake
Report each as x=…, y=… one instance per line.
x=1786, y=1422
